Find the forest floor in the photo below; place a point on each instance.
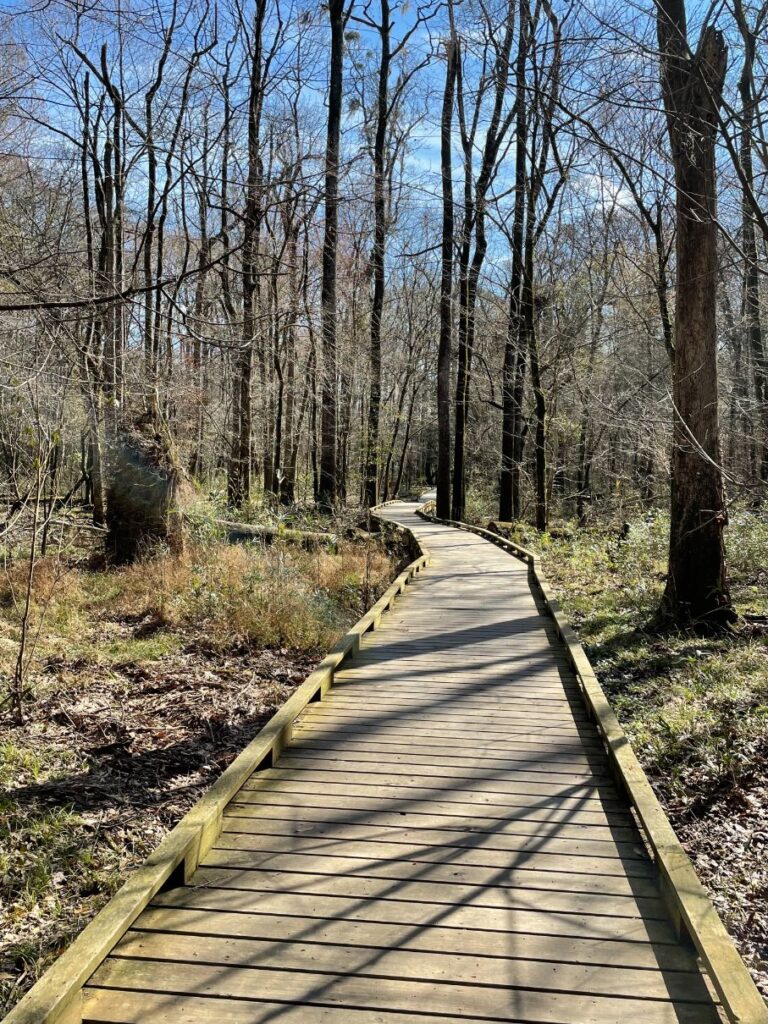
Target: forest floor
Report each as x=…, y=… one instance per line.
x=145, y=682
x=695, y=709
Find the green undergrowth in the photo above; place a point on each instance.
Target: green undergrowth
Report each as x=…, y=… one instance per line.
x=695, y=709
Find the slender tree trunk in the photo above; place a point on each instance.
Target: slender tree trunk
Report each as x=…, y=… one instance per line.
x=91, y=352
x=288, y=468
x=464, y=329
x=662, y=291
x=378, y=259
x=446, y=286
x=540, y=408
x=406, y=442
x=697, y=587
x=328, y=482
x=584, y=466
x=199, y=353
x=749, y=243
x=475, y=218
x=239, y=475
x=509, y=482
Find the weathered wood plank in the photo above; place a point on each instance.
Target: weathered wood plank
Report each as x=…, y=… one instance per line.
x=498, y=784
x=501, y=1003
x=531, y=876
x=477, y=849
x=105, y=1006
x=429, y=904
x=247, y=818
x=301, y=807
x=409, y=963
x=551, y=756
x=481, y=865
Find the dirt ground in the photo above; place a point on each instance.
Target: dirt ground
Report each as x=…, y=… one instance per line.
x=112, y=764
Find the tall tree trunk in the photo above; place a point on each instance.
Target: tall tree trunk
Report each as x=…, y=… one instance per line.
x=464, y=327
x=475, y=207
x=328, y=482
x=509, y=481
x=585, y=449
x=378, y=258
x=199, y=349
x=288, y=467
x=697, y=587
x=239, y=475
x=406, y=441
x=539, y=400
x=446, y=286
x=738, y=385
x=91, y=350
x=749, y=243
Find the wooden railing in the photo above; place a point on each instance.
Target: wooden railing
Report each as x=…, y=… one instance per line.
x=57, y=997
x=690, y=908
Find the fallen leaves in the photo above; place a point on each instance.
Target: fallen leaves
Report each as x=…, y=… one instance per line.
x=110, y=761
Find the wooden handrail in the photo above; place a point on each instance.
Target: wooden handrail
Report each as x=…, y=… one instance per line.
x=691, y=909
x=57, y=997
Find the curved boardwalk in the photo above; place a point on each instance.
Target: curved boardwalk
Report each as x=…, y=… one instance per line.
x=441, y=843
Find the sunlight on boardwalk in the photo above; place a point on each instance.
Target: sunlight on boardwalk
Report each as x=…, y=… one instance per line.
x=441, y=843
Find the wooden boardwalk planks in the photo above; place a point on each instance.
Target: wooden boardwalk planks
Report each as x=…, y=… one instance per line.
x=441, y=842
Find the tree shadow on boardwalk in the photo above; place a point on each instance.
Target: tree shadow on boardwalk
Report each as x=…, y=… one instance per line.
x=441, y=842
x=480, y=881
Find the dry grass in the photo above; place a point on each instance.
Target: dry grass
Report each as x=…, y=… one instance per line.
x=144, y=683
x=275, y=597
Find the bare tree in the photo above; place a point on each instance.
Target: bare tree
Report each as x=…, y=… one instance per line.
x=338, y=14
x=446, y=286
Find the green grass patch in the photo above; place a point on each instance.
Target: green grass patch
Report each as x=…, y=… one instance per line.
x=694, y=708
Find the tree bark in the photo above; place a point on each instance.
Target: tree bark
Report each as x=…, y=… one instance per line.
x=509, y=482
x=378, y=258
x=475, y=201
x=697, y=586
x=328, y=482
x=446, y=286
x=239, y=475
x=539, y=399
x=752, y=309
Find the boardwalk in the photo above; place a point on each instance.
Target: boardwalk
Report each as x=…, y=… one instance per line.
x=442, y=843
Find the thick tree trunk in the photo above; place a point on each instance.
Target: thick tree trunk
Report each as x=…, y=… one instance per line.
x=697, y=587
x=328, y=482
x=446, y=286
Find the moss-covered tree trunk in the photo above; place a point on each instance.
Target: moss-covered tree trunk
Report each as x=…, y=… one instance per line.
x=144, y=494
